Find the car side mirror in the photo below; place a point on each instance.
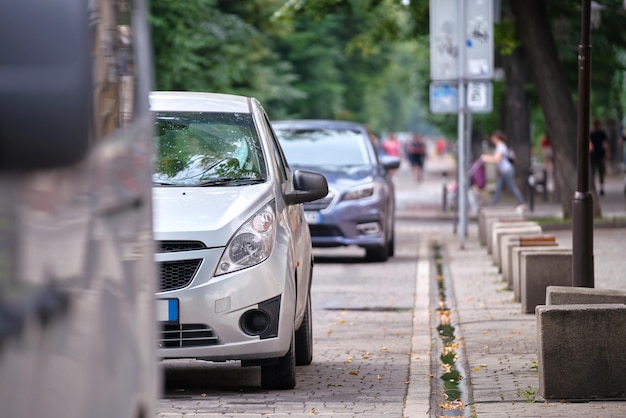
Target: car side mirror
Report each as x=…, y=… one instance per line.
x=46, y=85
x=308, y=186
x=390, y=162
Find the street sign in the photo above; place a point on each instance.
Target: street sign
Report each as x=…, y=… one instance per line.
x=479, y=97
x=446, y=39
x=444, y=97
x=478, y=40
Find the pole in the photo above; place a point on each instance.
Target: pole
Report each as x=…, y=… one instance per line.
x=461, y=174
x=582, y=204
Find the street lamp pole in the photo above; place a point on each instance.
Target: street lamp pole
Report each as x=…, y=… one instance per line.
x=582, y=204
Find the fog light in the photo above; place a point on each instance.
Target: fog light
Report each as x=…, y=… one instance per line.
x=369, y=228
x=255, y=322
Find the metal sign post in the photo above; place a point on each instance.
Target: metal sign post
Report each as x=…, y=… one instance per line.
x=461, y=53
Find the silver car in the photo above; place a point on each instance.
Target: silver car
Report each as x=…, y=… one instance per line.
x=360, y=206
x=234, y=248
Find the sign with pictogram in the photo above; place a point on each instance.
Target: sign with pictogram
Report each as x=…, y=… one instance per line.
x=479, y=97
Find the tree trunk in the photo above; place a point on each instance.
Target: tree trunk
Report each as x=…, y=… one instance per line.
x=555, y=98
x=516, y=115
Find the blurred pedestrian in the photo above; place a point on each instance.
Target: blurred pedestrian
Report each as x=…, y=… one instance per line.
x=391, y=145
x=415, y=150
x=599, y=150
x=506, y=170
x=546, y=152
x=441, y=146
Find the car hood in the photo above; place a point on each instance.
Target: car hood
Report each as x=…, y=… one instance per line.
x=341, y=178
x=208, y=214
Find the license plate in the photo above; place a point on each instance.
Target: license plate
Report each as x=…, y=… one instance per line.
x=311, y=217
x=167, y=310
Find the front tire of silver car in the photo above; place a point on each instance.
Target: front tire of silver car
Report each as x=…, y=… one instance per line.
x=282, y=374
x=304, y=337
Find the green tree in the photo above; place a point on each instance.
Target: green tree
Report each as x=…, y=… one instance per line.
x=204, y=45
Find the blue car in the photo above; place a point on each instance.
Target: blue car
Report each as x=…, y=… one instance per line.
x=360, y=206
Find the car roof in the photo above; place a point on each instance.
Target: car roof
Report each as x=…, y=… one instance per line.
x=187, y=101
x=317, y=124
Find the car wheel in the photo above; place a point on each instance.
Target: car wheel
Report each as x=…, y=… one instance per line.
x=280, y=374
x=376, y=254
x=391, y=246
x=304, y=337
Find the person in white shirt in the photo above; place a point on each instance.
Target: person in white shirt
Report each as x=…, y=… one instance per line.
x=506, y=170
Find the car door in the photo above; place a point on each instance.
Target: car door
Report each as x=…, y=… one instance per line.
x=301, y=238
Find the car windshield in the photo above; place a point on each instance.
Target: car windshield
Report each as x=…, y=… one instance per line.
x=207, y=149
x=324, y=147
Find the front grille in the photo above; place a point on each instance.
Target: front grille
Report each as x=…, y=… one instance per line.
x=320, y=204
x=177, y=274
x=187, y=335
x=324, y=231
x=174, y=246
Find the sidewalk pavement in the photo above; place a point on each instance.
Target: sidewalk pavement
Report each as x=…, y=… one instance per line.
x=498, y=342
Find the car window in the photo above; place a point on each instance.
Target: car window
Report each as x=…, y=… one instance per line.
x=324, y=147
x=205, y=149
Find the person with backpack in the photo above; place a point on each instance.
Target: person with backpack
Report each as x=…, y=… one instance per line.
x=506, y=171
x=415, y=150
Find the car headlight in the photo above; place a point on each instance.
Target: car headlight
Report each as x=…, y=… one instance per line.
x=361, y=192
x=251, y=244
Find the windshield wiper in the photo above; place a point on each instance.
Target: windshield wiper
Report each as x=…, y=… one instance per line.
x=163, y=183
x=237, y=181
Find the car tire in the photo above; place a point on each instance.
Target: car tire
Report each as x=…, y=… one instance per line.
x=377, y=254
x=391, y=246
x=281, y=374
x=304, y=337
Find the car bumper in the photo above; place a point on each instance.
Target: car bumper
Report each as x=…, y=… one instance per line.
x=213, y=311
x=348, y=224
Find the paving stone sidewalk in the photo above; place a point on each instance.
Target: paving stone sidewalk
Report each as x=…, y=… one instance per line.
x=499, y=341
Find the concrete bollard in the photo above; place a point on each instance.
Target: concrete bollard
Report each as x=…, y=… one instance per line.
x=493, y=213
x=580, y=354
x=508, y=234
x=516, y=264
x=541, y=269
x=510, y=242
x=491, y=222
x=568, y=295
x=510, y=228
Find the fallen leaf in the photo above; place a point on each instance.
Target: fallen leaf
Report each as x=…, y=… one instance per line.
x=379, y=377
x=330, y=331
x=384, y=349
x=353, y=372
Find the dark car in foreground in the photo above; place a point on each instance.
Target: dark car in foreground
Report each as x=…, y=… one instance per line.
x=360, y=206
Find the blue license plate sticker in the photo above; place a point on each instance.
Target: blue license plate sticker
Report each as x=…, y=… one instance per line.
x=167, y=310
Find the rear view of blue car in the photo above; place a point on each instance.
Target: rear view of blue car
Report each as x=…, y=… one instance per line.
x=360, y=206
